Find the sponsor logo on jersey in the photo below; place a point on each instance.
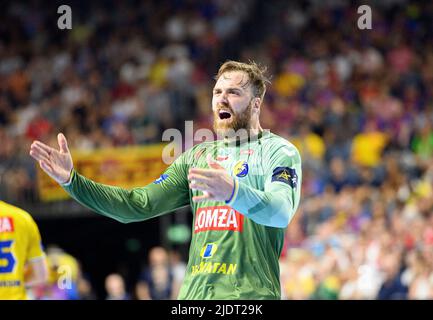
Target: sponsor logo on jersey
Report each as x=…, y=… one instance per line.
x=214, y=267
x=218, y=218
x=10, y=283
x=286, y=175
x=247, y=151
x=6, y=224
x=222, y=157
x=161, y=178
x=208, y=250
x=240, y=169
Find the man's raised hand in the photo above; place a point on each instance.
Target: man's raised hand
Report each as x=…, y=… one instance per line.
x=215, y=183
x=56, y=163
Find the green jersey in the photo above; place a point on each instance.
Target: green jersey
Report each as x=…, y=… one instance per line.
x=235, y=245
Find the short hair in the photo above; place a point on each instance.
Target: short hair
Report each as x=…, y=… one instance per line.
x=256, y=75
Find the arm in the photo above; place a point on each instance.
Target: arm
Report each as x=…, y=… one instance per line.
x=277, y=204
x=36, y=265
x=38, y=272
x=164, y=195
x=274, y=207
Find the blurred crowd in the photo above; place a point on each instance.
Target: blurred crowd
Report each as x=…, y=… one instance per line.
x=357, y=103
x=160, y=278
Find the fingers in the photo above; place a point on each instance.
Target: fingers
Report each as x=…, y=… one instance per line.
x=199, y=178
x=38, y=157
x=212, y=163
x=38, y=153
x=63, y=144
x=199, y=186
x=43, y=146
x=204, y=197
x=203, y=172
x=46, y=167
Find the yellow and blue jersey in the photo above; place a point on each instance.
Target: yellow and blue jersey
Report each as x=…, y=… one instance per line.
x=20, y=242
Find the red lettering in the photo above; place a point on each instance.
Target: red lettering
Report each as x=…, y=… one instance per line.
x=220, y=218
x=6, y=224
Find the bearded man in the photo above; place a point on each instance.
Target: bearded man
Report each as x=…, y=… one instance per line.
x=244, y=189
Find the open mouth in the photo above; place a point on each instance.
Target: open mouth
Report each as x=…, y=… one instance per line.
x=224, y=114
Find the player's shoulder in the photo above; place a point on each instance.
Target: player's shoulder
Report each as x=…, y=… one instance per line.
x=199, y=148
x=15, y=212
x=278, y=144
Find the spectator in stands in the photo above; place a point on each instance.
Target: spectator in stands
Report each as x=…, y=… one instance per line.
x=115, y=287
x=157, y=281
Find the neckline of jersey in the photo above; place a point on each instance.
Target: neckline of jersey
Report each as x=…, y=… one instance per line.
x=242, y=141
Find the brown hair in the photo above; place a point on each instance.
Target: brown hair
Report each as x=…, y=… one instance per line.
x=256, y=75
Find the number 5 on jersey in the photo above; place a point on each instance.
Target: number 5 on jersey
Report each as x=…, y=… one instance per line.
x=7, y=259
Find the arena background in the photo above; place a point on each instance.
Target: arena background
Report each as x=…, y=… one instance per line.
x=357, y=103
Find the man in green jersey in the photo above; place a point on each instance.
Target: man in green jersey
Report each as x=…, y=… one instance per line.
x=243, y=189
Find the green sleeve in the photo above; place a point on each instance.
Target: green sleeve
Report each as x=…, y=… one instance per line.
x=276, y=205
x=166, y=194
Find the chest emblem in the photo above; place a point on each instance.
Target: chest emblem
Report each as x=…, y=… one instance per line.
x=240, y=169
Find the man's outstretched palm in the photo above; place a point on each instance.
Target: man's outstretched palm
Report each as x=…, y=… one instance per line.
x=56, y=163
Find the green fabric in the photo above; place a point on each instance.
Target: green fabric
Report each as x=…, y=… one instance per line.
x=232, y=255
x=423, y=146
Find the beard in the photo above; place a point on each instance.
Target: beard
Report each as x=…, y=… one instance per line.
x=238, y=126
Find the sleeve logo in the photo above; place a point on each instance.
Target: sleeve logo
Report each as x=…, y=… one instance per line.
x=161, y=178
x=286, y=175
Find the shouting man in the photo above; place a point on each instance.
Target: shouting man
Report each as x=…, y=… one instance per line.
x=243, y=189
